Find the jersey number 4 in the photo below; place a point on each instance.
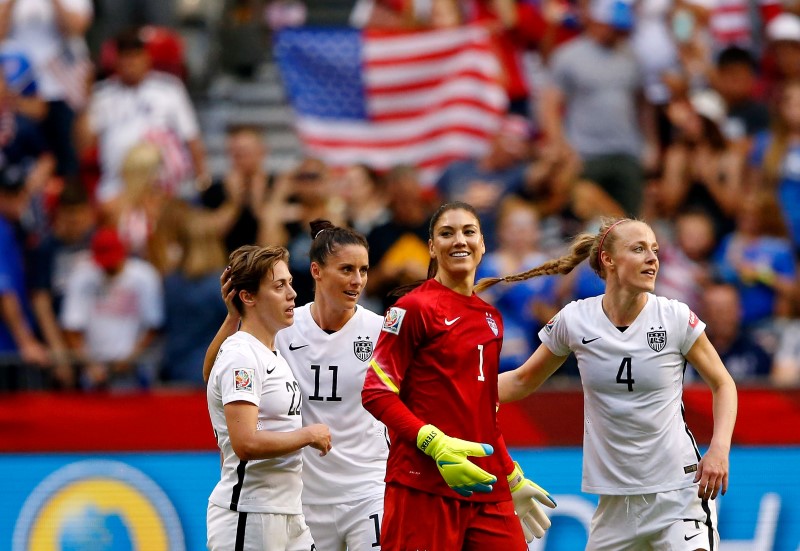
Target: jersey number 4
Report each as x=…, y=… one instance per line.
x=625, y=368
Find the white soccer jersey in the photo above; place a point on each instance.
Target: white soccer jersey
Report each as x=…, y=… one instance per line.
x=247, y=370
x=330, y=369
x=635, y=439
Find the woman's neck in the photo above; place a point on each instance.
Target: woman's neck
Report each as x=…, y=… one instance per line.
x=265, y=335
x=462, y=286
x=622, y=307
x=329, y=319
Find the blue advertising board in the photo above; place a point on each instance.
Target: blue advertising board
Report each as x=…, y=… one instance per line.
x=157, y=501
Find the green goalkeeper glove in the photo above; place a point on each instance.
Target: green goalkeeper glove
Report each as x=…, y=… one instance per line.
x=525, y=495
x=451, y=454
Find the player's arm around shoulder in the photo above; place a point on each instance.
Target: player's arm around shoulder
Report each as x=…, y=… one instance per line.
x=518, y=383
x=250, y=443
x=712, y=473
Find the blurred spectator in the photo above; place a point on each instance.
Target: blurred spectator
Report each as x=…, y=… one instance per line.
x=163, y=45
x=685, y=258
x=758, y=259
x=593, y=104
x=741, y=22
x=51, y=35
x=782, y=63
x=742, y=356
x=113, y=309
x=138, y=104
x=786, y=363
x=55, y=259
x=528, y=305
x=114, y=16
x=300, y=196
x=700, y=169
x=505, y=169
x=18, y=342
x=735, y=80
x=363, y=190
x=248, y=181
x=775, y=159
x=398, y=249
x=143, y=214
x=194, y=310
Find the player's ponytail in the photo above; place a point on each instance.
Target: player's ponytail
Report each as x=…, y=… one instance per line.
x=583, y=246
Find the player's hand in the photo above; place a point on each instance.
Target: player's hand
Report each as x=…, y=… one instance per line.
x=525, y=494
x=451, y=455
x=712, y=473
x=228, y=292
x=320, y=438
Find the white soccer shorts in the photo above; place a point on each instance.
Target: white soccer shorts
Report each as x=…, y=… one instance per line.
x=232, y=531
x=677, y=520
x=355, y=526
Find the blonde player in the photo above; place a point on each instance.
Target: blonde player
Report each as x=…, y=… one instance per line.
x=655, y=488
x=329, y=348
x=254, y=403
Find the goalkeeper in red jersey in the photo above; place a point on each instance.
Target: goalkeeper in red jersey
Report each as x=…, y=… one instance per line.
x=451, y=484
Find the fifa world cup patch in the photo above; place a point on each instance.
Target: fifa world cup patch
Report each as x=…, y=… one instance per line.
x=549, y=326
x=243, y=380
x=393, y=320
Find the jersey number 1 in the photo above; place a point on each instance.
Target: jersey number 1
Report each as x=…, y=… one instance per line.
x=480, y=364
x=626, y=367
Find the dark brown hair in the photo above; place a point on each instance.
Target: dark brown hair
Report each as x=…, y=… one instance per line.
x=249, y=265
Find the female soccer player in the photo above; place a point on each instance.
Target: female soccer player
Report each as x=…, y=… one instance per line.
x=328, y=349
x=632, y=347
x=433, y=381
x=254, y=404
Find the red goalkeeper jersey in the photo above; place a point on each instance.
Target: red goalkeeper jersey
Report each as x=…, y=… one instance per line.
x=438, y=355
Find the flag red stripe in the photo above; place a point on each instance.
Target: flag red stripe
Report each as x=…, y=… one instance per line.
x=426, y=56
x=430, y=83
x=346, y=141
x=409, y=115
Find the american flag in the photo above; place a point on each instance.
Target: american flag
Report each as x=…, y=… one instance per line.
x=421, y=98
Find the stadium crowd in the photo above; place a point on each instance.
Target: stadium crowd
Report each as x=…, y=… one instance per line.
x=113, y=231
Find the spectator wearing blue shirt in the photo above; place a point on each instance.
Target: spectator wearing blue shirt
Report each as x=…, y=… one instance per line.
x=19, y=345
x=743, y=357
x=758, y=259
x=775, y=159
x=528, y=305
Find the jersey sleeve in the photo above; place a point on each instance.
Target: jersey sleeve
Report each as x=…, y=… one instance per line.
x=690, y=328
x=239, y=380
x=555, y=334
x=403, y=327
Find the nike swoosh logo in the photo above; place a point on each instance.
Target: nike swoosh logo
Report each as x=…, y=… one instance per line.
x=293, y=348
x=687, y=538
x=271, y=370
x=583, y=340
x=451, y=322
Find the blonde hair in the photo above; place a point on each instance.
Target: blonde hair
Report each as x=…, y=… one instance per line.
x=583, y=246
x=141, y=168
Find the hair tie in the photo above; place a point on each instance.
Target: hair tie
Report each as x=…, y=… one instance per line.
x=602, y=239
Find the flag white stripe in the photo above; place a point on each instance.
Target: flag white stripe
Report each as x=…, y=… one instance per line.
x=393, y=75
x=386, y=48
x=452, y=143
x=463, y=87
x=447, y=117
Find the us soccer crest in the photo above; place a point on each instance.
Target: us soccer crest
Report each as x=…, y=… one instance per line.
x=492, y=324
x=657, y=339
x=362, y=349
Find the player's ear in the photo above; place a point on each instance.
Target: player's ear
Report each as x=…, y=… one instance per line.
x=247, y=297
x=315, y=271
